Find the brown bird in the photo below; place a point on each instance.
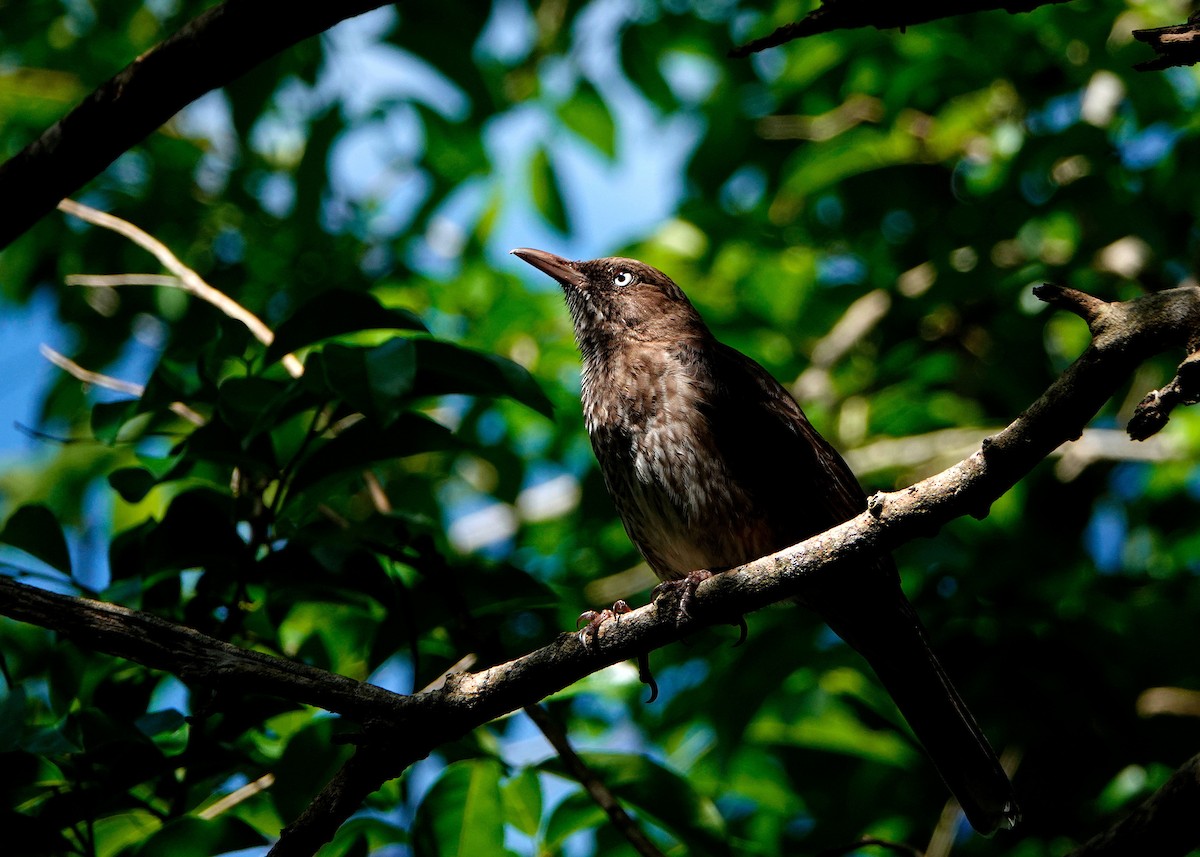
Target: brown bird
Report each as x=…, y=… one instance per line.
x=711, y=464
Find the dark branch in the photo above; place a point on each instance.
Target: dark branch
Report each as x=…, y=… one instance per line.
x=196, y=658
x=362, y=774
x=208, y=52
x=1177, y=45
x=595, y=787
x=880, y=14
x=1165, y=825
x=1152, y=412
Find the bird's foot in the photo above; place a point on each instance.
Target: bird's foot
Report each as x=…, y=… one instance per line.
x=595, y=618
x=588, y=635
x=686, y=587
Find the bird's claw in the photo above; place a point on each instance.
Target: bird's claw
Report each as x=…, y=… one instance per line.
x=685, y=587
x=595, y=618
x=647, y=677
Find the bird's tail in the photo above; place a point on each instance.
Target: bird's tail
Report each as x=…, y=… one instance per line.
x=890, y=636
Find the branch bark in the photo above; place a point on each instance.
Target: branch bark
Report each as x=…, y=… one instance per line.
x=1176, y=46
x=208, y=52
x=406, y=728
x=880, y=14
x=1164, y=825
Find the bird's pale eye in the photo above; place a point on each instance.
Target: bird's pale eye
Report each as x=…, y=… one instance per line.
x=623, y=278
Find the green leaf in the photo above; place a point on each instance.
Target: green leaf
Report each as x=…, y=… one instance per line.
x=132, y=483
x=446, y=367
x=12, y=716
x=546, y=191
x=113, y=834
x=35, y=530
x=463, y=813
x=364, y=443
x=335, y=312
x=587, y=115
x=577, y=812
x=108, y=418
x=201, y=837
x=523, y=802
x=159, y=722
x=198, y=530
x=375, y=381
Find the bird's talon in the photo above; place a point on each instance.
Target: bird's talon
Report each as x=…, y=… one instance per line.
x=647, y=677
x=596, y=618
x=686, y=587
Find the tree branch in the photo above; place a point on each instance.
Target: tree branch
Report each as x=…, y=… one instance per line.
x=880, y=14
x=406, y=728
x=196, y=658
x=184, y=277
x=1177, y=45
x=208, y=52
x=596, y=788
x=1164, y=825
x=362, y=774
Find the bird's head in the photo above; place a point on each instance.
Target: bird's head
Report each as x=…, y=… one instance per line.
x=617, y=299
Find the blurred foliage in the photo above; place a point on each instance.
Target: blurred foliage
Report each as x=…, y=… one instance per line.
x=425, y=488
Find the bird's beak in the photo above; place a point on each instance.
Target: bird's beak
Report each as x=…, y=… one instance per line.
x=561, y=269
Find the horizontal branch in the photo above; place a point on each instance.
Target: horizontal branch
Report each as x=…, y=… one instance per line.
x=208, y=52
x=880, y=14
x=196, y=658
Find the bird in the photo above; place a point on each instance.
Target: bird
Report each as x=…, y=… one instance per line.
x=711, y=463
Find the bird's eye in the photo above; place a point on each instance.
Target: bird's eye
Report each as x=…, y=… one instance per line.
x=623, y=278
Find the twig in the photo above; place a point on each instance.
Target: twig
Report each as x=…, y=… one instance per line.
x=592, y=784
x=1178, y=701
x=113, y=280
x=1177, y=45
x=188, y=280
x=216, y=47
x=362, y=774
x=235, y=797
x=108, y=382
x=1153, y=412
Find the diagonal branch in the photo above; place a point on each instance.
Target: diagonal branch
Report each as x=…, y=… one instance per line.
x=184, y=277
x=406, y=728
x=208, y=52
x=1164, y=825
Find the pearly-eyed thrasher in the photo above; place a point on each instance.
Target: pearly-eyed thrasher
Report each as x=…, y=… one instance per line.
x=711, y=464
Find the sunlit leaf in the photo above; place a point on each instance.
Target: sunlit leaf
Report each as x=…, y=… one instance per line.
x=462, y=814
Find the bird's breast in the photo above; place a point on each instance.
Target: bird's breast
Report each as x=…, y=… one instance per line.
x=664, y=469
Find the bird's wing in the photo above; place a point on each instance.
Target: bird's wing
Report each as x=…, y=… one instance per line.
x=796, y=478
